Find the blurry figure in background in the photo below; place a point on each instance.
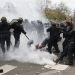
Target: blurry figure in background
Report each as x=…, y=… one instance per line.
x=33, y=24
x=12, y=21
x=27, y=25
x=47, y=25
x=39, y=29
x=18, y=28
x=54, y=37
x=4, y=34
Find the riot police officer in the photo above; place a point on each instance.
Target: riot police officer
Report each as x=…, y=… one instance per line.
x=18, y=28
x=4, y=34
x=54, y=36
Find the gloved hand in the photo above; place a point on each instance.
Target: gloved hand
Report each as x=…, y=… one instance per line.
x=25, y=33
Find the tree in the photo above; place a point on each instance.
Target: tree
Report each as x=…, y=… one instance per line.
x=60, y=12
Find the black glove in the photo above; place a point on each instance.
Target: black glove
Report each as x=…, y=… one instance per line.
x=25, y=33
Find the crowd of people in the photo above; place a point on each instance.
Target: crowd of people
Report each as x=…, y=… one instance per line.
x=5, y=33
x=67, y=28
x=54, y=30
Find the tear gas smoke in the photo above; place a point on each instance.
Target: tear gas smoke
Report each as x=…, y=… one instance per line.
x=30, y=10
x=30, y=54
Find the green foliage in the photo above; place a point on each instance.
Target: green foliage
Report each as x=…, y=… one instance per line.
x=61, y=12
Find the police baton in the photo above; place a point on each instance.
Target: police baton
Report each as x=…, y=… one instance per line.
x=27, y=37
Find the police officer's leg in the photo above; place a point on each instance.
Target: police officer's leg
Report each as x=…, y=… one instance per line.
x=70, y=54
x=3, y=45
x=66, y=41
x=8, y=42
x=56, y=47
x=63, y=54
x=17, y=41
x=70, y=57
x=50, y=46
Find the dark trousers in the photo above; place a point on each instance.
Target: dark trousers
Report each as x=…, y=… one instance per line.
x=17, y=40
x=54, y=44
x=5, y=38
x=66, y=41
x=66, y=45
x=65, y=51
x=68, y=51
x=71, y=52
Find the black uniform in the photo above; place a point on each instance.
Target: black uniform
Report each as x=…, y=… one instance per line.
x=4, y=34
x=68, y=44
x=66, y=33
x=54, y=36
x=71, y=50
x=18, y=28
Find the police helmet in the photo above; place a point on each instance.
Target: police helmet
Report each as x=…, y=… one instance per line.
x=54, y=24
x=3, y=19
x=20, y=20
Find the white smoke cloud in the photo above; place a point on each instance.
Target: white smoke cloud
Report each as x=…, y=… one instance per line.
x=29, y=9
x=30, y=55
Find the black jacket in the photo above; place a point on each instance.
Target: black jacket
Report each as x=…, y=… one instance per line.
x=18, y=28
x=54, y=32
x=4, y=28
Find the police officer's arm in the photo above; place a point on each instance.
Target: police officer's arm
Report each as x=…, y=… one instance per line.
x=22, y=30
x=48, y=30
x=13, y=25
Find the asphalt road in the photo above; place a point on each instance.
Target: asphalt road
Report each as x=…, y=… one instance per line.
x=33, y=69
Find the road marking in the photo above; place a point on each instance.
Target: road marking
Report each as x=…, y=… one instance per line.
x=6, y=68
x=59, y=67
x=56, y=69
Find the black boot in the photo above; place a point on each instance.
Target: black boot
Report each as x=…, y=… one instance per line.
x=1, y=70
x=57, y=51
x=57, y=60
x=70, y=64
